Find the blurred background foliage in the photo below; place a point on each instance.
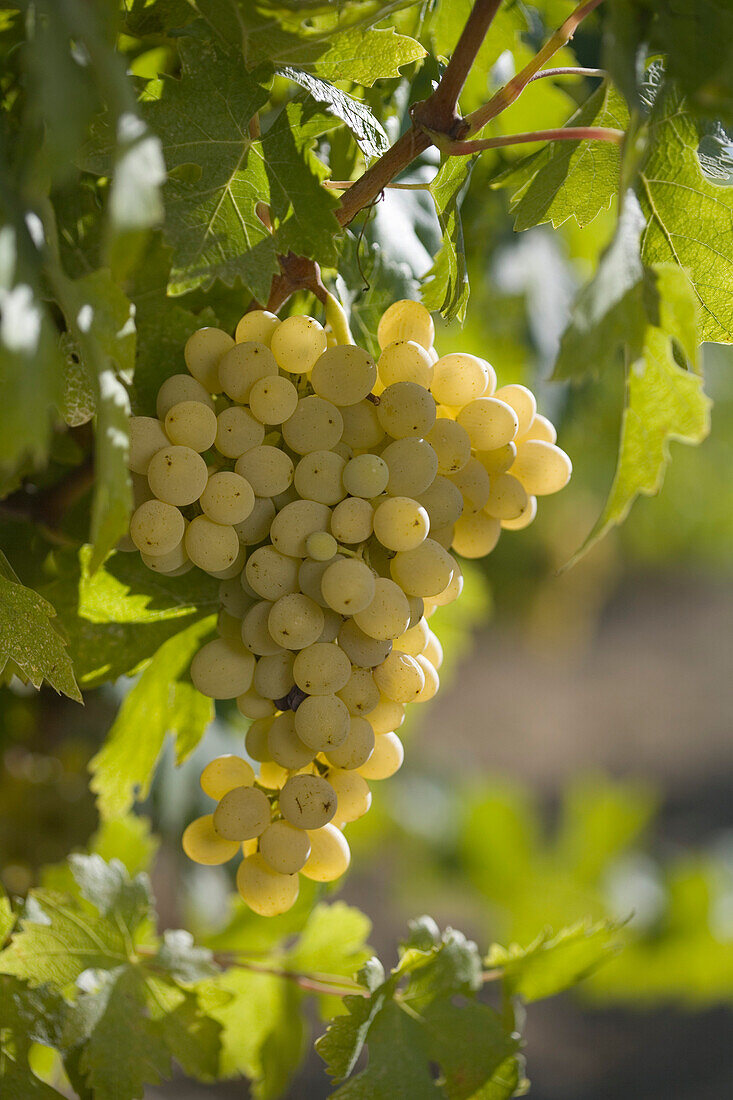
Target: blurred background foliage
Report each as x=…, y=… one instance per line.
x=634, y=823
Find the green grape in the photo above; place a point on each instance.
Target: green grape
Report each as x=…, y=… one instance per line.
x=352, y=795
x=366, y=476
x=414, y=640
x=273, y=676
x=272, y=574
x=156, y=528
x=256, y=526
x=433, y=651
x=321, y=546
x=272, y=775
x=256, y=632
x=400, y=523
x=540, y=428
x=316, y=425
x=237, y=431
x=203, y=352
x=406, y=409
x=242, y=813
x=273, y=400
x=459, y=378
x=147, y=437
x=177, y=475
x=258, y=324
x=291, y=527
x=267, y=892
x=211, y=546
x=474, y=485
x=228, y=498
x=307, y=801
x=311, y=573
x=476, y=535
x=360, y=648
x=387, y=715
x=268, y=470
x=385, y=760
x=191, y=424
x=432, y=680
x=321, y=669
x=489, y=422
x=331, y=625
x=412, y=465
x=399, y=677
x=406, y=320
x=541, y=467
x=352, y=520
x=355, y=749
x=405, y=361
x=329, y=857
x=524, y=520
x=224, y=774
x=285, y=746
x=242, y=366
x=173, y=564
x=424, y=571
x=522, y=401
x=253, y=705
x=322, y=722
x=348, y=586
x=284, y=848
x=361, y=427
x=388, y=614
x=202, y=843
x=508, y=498
x=297, y=343
x=360, y=693
x=295, y=621
x=231, y=571
x=452, y=590
x=499, y=460
x=319, y=476
x=443, y=502
x=452, y=445
x=222, y=669
x=255, y=739
x=344, y=375
x=178, y=388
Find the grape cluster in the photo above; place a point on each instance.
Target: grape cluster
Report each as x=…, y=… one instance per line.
x=325, y=491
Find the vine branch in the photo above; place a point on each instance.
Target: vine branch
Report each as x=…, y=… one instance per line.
x=564, y=133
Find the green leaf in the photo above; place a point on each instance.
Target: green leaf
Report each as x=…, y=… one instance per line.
x=121, y=1052
x=127, y=839
x=202, y=120
x=179, y=956
x=158, y=703
x=28, y=637
x=367, y=55
x=575, y=179
x=367, y=130
x=689, y=219
x=57, y=940
x=192, y=1037
x=20, y=1084
x=31, y=365
x=7, y=916
x=447, y=288
x=124, y=590
x=432, y=1020
x=105, y=315
x=553, y=964
x=334, y=941
x=110, y=889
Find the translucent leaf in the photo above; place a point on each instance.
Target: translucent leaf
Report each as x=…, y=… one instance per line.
x=447, y=288
x=553, y=964
x=366, y=128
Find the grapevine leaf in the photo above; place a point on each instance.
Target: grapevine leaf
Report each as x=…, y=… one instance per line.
x=567, y=179
x=552, y=964
x=121, y=1051
x=689, y=219
x=7, y=917
x=110, y=889
x=366, y=128
x=432, y=1020
x=179, y=956
x=31, y=365
x=333, y=941
x=158, y=703
x=302, y=211
x=447, y=288
x=211, y=221
x=57, y=940
x=19, y=1083
x=124, y=590
x=192, y=1037
x=28, y=637
x=106, y=315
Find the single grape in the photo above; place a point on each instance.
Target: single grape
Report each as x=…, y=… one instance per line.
x=295, y=621
x=321, y=546
x=224, y=774
x=191, y=424
x=352, y=795
x=322, y=722
x=388, y=614
x=273, y=676
x=157, y=528
x=228, y=498
x=360, y=693
x=147, y=437
x=405, y=361
x=255, y=739
x=211, y=546
x=352, y=520
x=387, y=715
x=202, y=843
x=253, y=705
x=424, y=571
x=412, y=465
x=355, y=749
x=285, y=746
x=385, y=760
x=489, y=422
x=319, y=476
x=541, y=467
x=237, y=432
x=433, y=651
x=499, y=460
x=432, y=680
x=242, y=813
x=348, y=586
x=258, y=324
x=273, y=400
x=443, y=502
x=177, y=475
x=242, y=366
x=178, y=388
x=476, y=535
x=414, y=640
x=360, y=648
x=399, y=677
x=344, y=375
x=316, y=425
x=267, y=892
x=297, y=343
x=307, y=801
x=321, y=669
x=256, y=526
x=222, y=669
x=406, y=320
x=361, y=427
x=330, y=855
x=524, y=520
x=522, y=401
x=203, y=352
x=474, y=485
x=452, y=445
x=459, y=378
x=295, y=522
x=508, y=498
x=268, y=470
x=284, y=848
x=540, y=428
x=405, y=410
x=400, y=523
x=272, y=574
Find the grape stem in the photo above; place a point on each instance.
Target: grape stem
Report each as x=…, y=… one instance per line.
x=564, y=133
x=337, y=319
x=314, y=983
x=438, y=114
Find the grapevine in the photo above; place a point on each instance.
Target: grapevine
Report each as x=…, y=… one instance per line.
x=328, y=493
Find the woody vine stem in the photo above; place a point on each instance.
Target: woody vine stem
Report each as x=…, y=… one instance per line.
x=436, y=121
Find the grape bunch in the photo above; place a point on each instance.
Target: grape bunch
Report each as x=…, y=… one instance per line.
x=326, y=492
